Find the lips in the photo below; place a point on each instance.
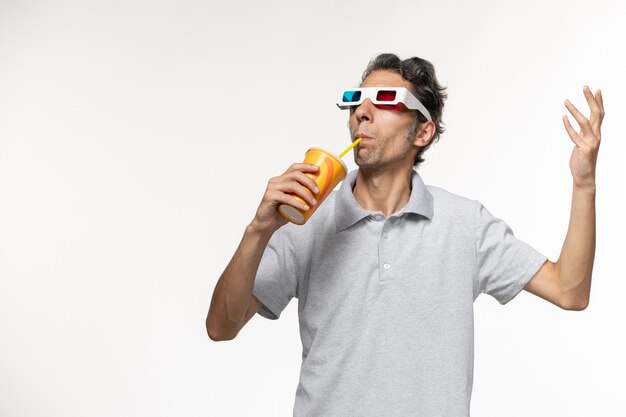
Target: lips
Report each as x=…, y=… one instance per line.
x=362, y=136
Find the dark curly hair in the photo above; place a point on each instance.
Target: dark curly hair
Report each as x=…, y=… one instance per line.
x=421, y=74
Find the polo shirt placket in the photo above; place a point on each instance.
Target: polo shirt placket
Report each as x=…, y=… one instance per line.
x=386, y=258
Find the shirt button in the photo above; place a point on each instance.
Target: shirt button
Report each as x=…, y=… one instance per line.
x=379, y=217
x=386, y=266
x=385, y=235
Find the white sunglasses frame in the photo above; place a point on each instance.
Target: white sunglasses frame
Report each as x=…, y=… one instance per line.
x=403, y=95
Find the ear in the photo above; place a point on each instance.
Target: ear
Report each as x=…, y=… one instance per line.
x=424, y=134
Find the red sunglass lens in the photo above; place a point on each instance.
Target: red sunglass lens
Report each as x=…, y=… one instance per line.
x=386, y=95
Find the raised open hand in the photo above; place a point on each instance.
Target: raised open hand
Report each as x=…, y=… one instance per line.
x=587, y=140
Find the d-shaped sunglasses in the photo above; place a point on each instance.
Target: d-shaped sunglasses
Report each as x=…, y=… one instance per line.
x=381, y=95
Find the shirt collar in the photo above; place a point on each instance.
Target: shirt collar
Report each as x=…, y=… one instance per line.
x=348, y=211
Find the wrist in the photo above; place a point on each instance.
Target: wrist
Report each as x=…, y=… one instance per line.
x=260, y=230
x=588, y=188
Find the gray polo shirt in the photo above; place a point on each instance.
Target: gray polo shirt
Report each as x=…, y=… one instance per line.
x=385, y=304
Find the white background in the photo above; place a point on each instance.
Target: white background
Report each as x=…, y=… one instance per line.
x=137, y=138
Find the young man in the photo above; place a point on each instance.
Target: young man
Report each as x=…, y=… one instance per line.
x=387, y=269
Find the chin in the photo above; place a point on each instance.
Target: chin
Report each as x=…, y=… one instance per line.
x=366, y=164
x=363, y=161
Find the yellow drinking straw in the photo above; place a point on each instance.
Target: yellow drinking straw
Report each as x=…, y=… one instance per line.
x=356, y=142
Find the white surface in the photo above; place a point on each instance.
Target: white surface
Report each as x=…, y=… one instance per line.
x=137, y=138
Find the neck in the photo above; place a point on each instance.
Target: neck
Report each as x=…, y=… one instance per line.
x=386, y=191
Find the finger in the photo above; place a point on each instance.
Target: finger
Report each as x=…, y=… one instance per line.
x=600, y=101
x=582, y=120
x=591, y=100
x=297, y=183
x=298, y=177
x=299, y=190
x=572, y=132
x=288, y=199
x=307, y=181
x=302, y=167
x=598, y=125
x=596, y=112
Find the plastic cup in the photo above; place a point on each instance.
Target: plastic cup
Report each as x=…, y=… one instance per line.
x=332, y=171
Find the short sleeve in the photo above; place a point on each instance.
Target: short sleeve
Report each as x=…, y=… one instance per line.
x=276, y=281
x=505, y=264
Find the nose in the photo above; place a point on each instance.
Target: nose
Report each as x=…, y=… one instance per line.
x=365, y=110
